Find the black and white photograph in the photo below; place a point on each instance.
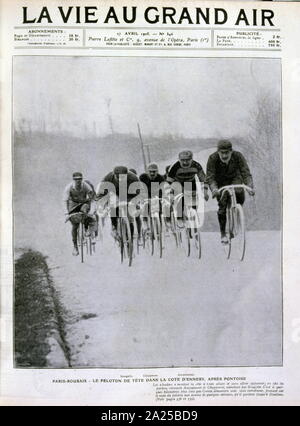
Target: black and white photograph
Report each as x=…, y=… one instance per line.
x=147, y=208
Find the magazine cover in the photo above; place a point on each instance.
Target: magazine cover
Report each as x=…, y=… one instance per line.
x=149, y=203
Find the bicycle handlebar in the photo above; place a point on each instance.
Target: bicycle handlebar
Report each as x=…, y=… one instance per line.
x=228, y=187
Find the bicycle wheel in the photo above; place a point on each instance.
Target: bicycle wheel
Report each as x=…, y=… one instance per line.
x=146, y=234
x=81, y=241
x=121, y=241
x=185, y=238
x=197, y=235
x=229, y=231
x=99, y=231
x=157, y=233
x=240, y=231
x=163, y=228
x=138, y=244
x=150, y=236
x=174, y=229
x=127, y=239
x=89, y=242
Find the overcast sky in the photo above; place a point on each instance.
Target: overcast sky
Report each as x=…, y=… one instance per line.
x=189, y=97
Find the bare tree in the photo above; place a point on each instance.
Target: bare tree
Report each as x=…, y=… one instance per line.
x=264, y=150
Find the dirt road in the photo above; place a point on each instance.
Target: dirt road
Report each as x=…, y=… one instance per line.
x=174, y=311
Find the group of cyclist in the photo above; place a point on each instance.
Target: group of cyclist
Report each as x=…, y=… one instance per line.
x=224, y=167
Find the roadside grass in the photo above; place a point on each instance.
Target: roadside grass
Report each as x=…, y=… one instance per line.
x=34, y=314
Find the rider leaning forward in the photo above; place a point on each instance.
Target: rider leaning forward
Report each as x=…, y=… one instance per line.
x=184, y=171
x=227, y=167
x=77, y=198
x=120, y=179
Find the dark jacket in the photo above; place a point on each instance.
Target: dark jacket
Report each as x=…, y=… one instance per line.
x=111, y=178
x=219, y=174
x=144, y=177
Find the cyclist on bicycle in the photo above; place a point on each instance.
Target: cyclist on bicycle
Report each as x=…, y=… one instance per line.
x=121, y=179
x=152, y=181
x=185, y=170
x=227, y=167
x=77, y=199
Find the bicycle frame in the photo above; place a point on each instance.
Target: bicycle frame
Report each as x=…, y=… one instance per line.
x=153, y=233
x=82, y=240
x=189, y=213
x=190, y=229
x=235, y=217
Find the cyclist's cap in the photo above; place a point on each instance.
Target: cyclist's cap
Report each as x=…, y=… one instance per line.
x=133, y=171
x=185, y=155
x=152, y=167
x=120, y=170
x=77, y=175
x=224, y=144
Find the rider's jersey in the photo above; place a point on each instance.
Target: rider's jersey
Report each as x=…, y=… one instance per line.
x=119, y=190
x=78, y=196
x=186, y=174
x=236, y=171
x=152, y=190
x=73, y=197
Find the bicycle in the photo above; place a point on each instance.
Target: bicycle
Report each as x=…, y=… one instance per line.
x=83, y=241
x=124, y=232
x=235, y=220
x=188, y=234
x=137, y=231
x=152, y=228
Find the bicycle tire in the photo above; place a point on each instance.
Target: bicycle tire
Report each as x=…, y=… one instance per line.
x=90, y=246
x=229, y=226
x=127, y=239
x=81, y=241
x=174, y=230
x=197, y=236
x=163, y=233
x=185, y=237
x=147, y=238
x=100, y=231
x=137, y=236
x=158, y=233
x=152, y=237
x=121, y=242
x=241, y=231
x=86, y=244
